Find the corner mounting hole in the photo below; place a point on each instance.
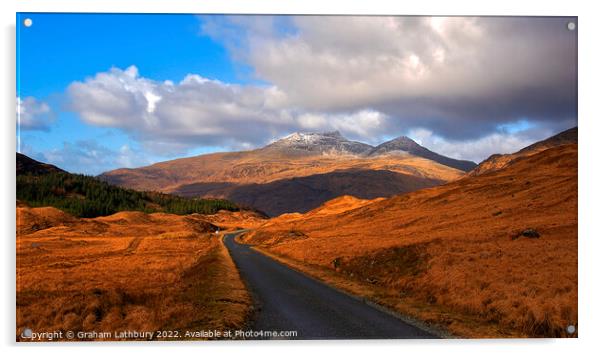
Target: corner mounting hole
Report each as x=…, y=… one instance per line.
x=571, y=26
x=570, y=329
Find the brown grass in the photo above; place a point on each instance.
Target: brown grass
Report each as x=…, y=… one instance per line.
x=448, y=255
x=128, y=271
x=261, y=167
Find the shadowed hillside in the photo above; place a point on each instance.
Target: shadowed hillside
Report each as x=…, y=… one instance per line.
x=305, y=193
x=28, y=166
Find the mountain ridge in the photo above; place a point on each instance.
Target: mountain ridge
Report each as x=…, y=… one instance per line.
x=300, y=170
x=499, y=161
x=406, y=144
x=27, y=165
x=306, y=144
x=314, y=142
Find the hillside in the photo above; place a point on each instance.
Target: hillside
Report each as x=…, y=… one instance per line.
x=499, y=161
x=485, y=256
x=127, y=271
x=302, y=194
x=275, y=170
x=85, y=196
x=26, y=165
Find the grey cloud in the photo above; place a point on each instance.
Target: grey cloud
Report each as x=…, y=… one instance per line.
x=479, y=149
x=443, y=72
x=460, y=79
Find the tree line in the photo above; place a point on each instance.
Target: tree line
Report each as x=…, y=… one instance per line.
x=86, y=196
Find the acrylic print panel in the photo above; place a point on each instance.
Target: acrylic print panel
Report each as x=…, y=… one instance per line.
x=195, y=177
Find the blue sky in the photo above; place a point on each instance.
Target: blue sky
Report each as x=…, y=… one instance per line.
x=103, y=91
x=61, y=48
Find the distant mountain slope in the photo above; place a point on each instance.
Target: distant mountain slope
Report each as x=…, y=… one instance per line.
x=405, y=144
x=26, y=165
x=499, y=161
x=565, y=137
x=295, y=173
x=321, y=143
x=302, y=194
x=264, y=166
x=299, y=154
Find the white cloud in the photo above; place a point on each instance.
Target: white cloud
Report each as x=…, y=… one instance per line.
x=168, y=117
x=89, y=157
x=367, y=125
x=33, y=114
x=459, y=79
x=477, y=150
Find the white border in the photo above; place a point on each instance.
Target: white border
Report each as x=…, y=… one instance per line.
x=589, y=165
x=374, y=7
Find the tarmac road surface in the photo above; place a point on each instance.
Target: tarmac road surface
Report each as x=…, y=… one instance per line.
x=288, y=300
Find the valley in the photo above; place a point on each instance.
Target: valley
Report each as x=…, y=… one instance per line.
x=487, y=256
x=487, y=253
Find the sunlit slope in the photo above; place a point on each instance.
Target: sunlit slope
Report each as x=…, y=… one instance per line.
x=127, y=271
x=500, y=248
x=260, y=167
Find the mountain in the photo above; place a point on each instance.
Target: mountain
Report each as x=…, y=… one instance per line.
x=499, y=161
x=293, y=174
x=320, y=143
x=493, y=255
x=334, y=143
x=404, y=144
x=26, y=165
x=84, y=196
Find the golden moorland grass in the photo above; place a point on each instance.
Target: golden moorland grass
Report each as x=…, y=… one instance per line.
x=463, y=256
x=128, y=271
x=259, y=167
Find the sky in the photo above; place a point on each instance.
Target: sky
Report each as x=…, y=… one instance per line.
x=97, y=92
